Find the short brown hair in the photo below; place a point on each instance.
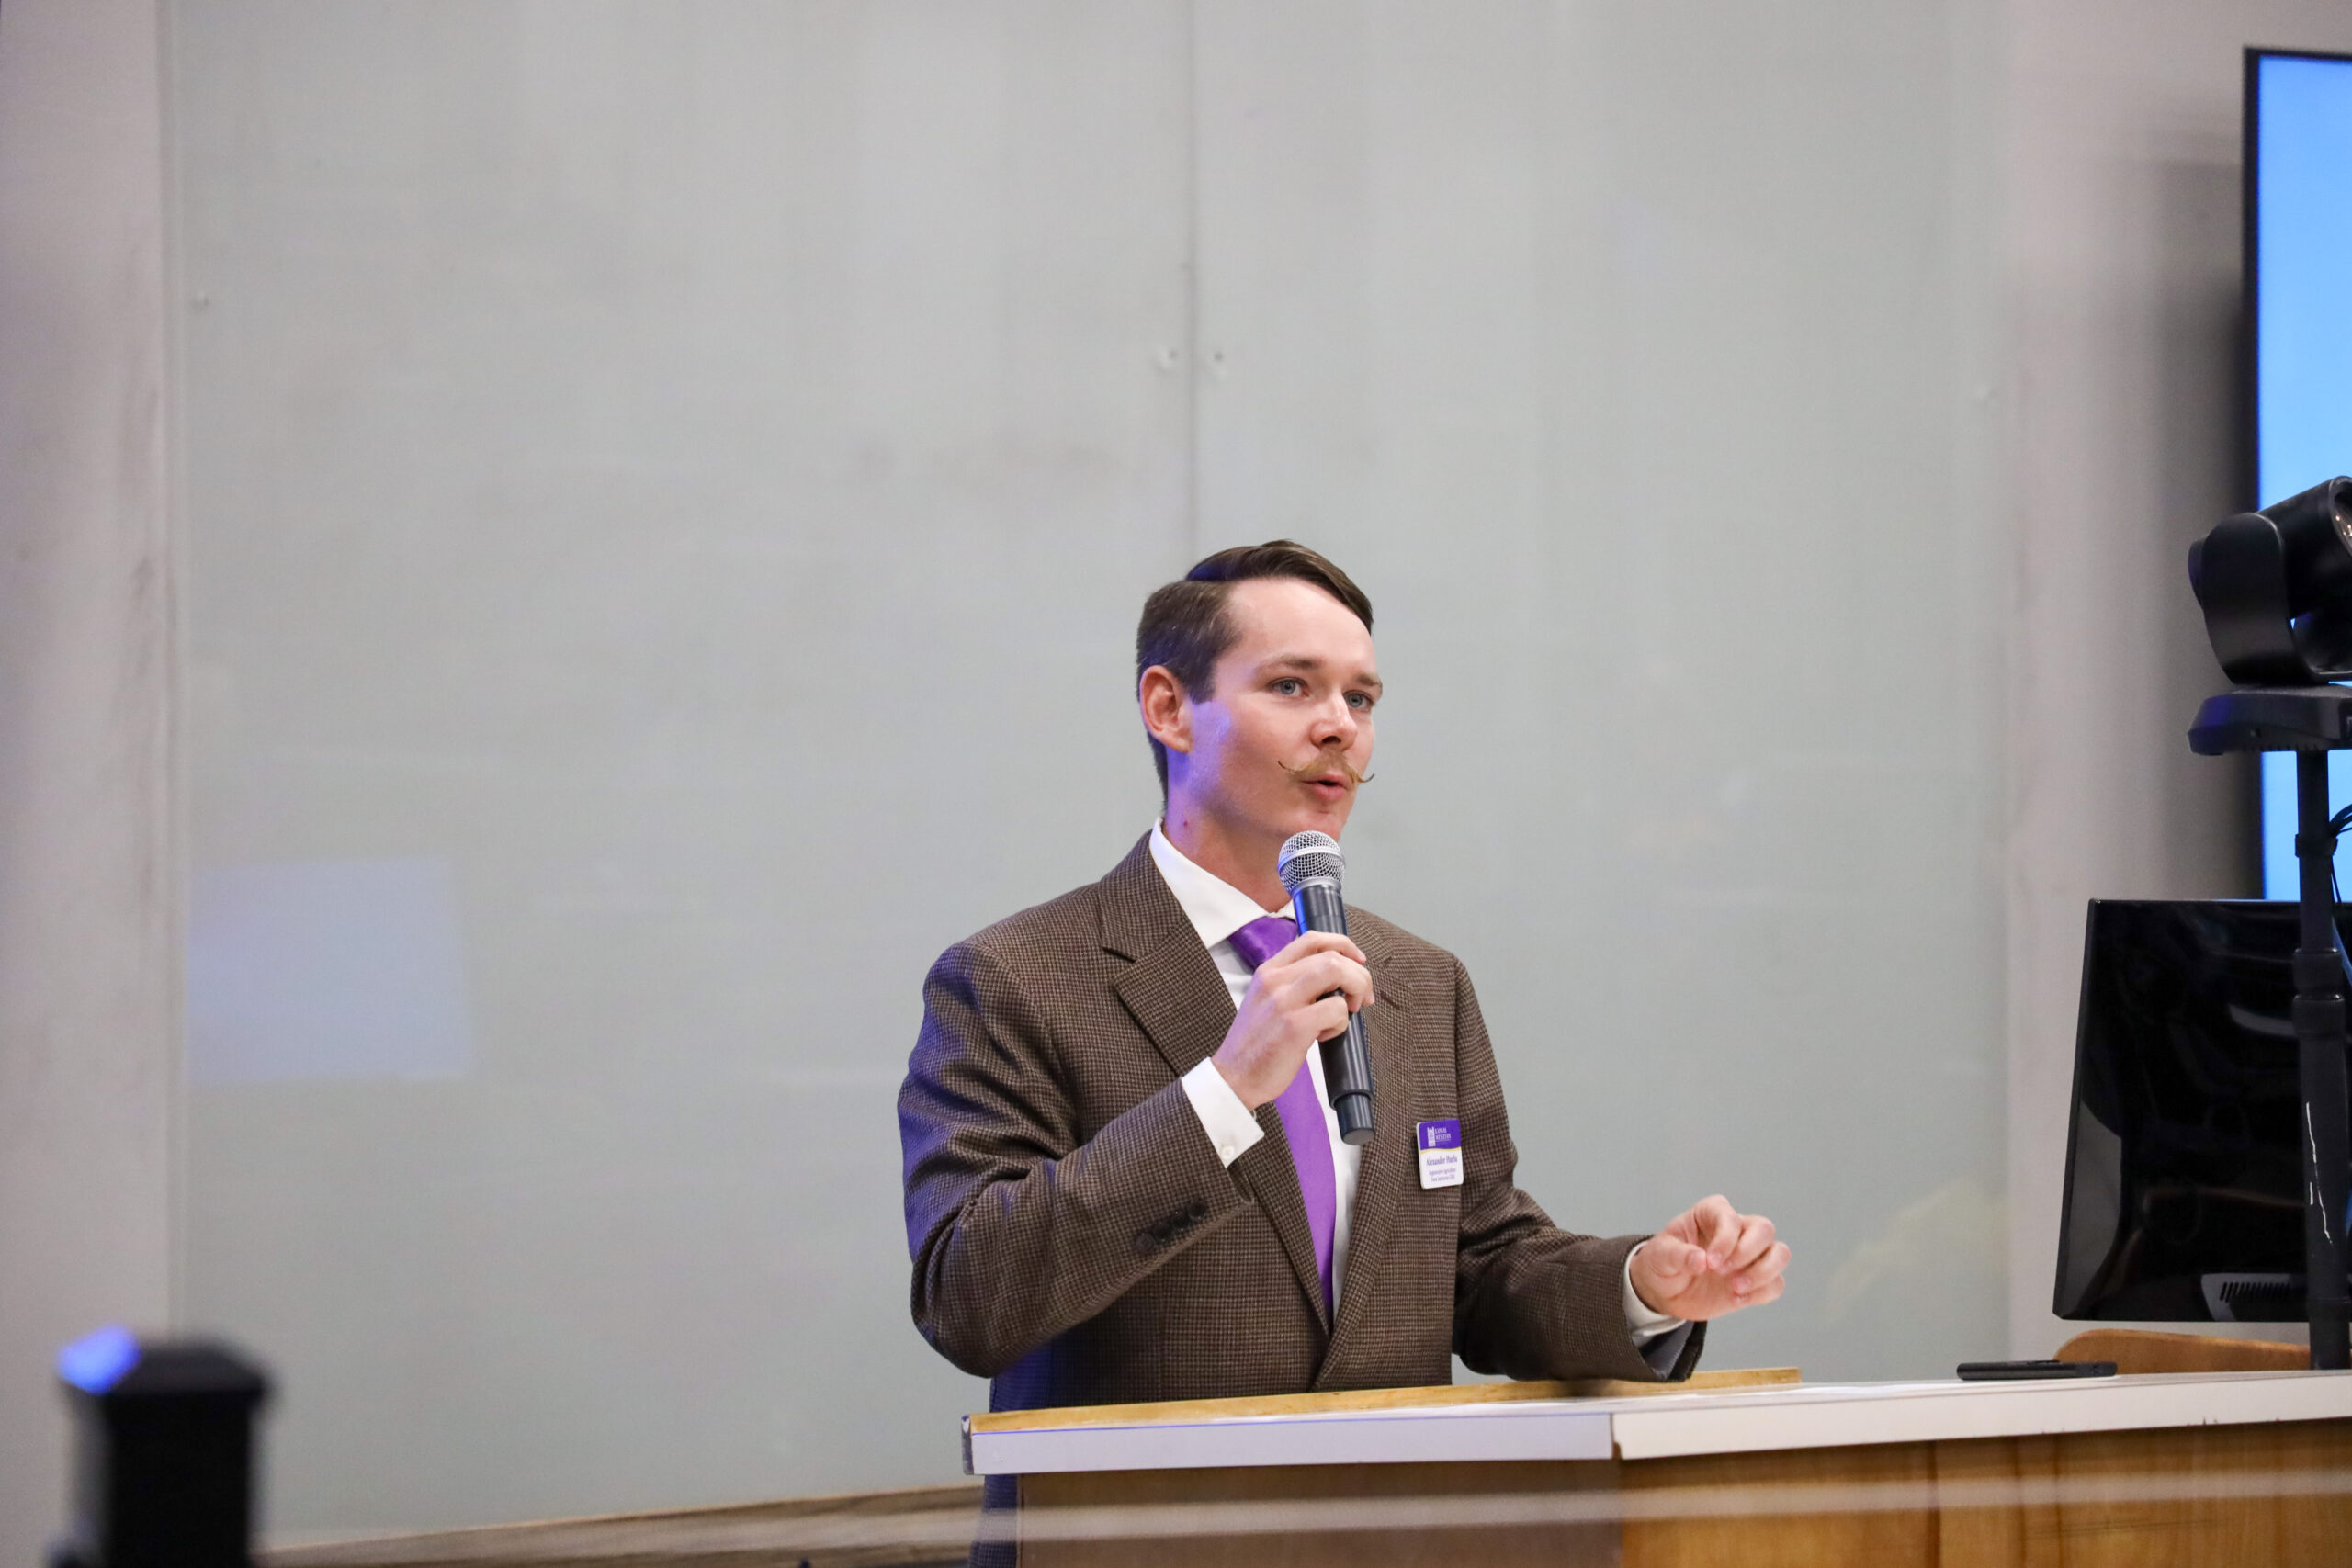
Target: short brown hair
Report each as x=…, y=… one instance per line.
x=1184, y=625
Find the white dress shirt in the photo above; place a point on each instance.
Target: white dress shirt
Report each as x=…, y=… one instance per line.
x=1216, y=910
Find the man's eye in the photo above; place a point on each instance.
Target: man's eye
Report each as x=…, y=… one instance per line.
x=1359, y=701
x=1289, y=685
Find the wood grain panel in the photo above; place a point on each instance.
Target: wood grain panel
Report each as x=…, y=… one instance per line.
x=2240, y=1494
x=1689, y=1536
x=2136, y=1350
x=2250, y=1528
x=1267, y=1543
x=2026, y=1533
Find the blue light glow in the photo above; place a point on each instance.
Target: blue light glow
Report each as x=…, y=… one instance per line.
x=2302, y=348
x=98, y=1361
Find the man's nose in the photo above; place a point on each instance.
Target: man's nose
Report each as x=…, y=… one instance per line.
x=1336, y=723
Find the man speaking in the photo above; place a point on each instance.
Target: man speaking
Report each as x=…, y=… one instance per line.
x=1124, y=1179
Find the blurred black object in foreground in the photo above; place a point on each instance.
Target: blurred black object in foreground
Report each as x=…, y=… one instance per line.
x=164, y=1453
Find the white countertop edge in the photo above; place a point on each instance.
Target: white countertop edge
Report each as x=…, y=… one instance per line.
x=1477, y=1434
x=1800, y=1415
x=1824, y=1416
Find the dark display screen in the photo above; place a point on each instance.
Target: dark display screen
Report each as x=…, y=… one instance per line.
x=2184, y=1194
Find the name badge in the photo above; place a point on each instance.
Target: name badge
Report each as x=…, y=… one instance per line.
x=1441, y=1151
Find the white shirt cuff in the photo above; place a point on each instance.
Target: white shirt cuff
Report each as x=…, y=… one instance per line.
x=1231, y=1128
x=1640, y=1321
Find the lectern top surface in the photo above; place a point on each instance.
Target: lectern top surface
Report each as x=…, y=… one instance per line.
x=1739, y=1420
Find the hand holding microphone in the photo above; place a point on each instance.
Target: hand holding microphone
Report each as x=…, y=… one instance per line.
x=1307, y=991
x=1314, y=989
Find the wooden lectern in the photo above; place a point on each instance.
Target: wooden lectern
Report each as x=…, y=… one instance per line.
x=2237, y=1467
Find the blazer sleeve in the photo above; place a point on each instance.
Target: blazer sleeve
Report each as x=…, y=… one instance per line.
x=1018, y=1230
x=1530, y=1299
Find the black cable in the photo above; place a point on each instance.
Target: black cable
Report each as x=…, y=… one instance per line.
x=2335, y=826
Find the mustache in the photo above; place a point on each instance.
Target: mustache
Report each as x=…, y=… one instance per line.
x=1321, y=764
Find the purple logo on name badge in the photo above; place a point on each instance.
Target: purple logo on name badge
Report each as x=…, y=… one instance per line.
x=1438, y=1134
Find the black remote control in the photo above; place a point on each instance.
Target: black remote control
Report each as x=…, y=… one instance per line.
x=2011, y=1371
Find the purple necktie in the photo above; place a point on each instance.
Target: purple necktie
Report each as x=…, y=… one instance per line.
x=1310, y=1140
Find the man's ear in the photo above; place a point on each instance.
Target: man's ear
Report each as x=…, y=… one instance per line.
x=1167, y=711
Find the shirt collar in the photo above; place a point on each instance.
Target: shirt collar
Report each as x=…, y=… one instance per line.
x=1216, y=907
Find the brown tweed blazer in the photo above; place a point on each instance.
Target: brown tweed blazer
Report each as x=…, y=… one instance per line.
x=1076, y=1239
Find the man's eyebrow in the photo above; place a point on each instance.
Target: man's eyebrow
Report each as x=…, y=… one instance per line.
x=1315, y=666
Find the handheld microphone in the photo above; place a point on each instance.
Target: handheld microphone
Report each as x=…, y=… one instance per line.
x=1310, y=866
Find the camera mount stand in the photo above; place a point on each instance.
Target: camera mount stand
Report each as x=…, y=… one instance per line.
x=2309, y=721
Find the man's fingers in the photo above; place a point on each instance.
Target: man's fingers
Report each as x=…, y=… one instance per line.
x=1328, y=1017
x=1315, y=974
x=1755, y=1239
x=1328, y=972
x=1762, y=1280
x=1765, y=1271
x=1715, y=1226
x=1738, y=1252
x=1355, y=980
x=1672, y=1258
x=1305, y=943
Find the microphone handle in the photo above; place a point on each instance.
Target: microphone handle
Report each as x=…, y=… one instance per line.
x=1346, y=1060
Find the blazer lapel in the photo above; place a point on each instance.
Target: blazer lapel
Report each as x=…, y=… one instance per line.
x=1173, y=991
x=1388, y=1162
x=1179, y=1000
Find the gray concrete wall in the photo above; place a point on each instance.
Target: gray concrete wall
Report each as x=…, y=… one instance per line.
x=88, y=949
x=669, y=491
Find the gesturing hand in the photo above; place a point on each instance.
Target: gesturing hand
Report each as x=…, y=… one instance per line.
x=1287, y=1009
x=1711, y=1260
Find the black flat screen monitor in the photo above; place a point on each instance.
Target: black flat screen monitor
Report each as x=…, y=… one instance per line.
x=2184, y=1193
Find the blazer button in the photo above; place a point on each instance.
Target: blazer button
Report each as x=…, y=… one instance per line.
x=1197, y=1211
x=1145, y=1243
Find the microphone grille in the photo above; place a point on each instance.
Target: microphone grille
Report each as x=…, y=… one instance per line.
x=1309, y=857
